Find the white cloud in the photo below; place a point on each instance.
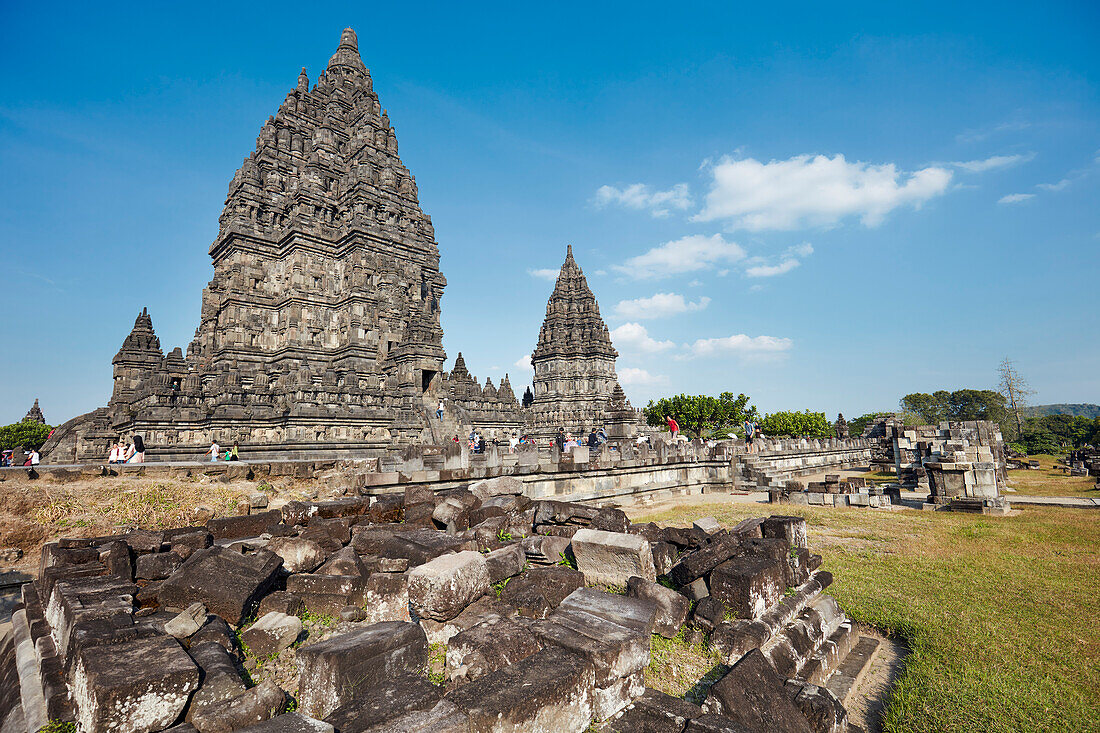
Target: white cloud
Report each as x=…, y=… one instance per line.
x=633, y=377
x=1054, y=186
x=740, y=344
x=688, y=254
x=972, y=136
x=599, y=272
x=634, y=337
x=494, y=369
x=790, y=260
x=772, y=270
x=545, y=274
x=993, y=163
x=524, y=363
x=1015, y=198
x=814, y=191
x=638, y=196
x=660, y=305
x=695, y=283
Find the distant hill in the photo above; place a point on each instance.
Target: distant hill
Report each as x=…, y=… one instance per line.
x=1085, y=410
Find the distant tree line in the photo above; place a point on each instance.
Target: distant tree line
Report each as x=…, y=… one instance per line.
x=23, y=435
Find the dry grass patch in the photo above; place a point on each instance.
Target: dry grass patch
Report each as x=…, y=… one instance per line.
x=682, y=669
x=1049, y=481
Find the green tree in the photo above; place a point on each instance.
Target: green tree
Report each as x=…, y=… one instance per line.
x=23, y=435
x=929, y=409
x=803, y=424
x=701, y=416
x=976, y=404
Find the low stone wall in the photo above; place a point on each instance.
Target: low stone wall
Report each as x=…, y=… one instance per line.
x=622, y=475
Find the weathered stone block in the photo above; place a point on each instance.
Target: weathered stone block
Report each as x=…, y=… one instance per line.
x=220, y=680
x=748, y=586
x=790, y=529
x=135, y=686
x=327, y=594
x=487, y=647
x=271, y=633
x=752, y=695
x=250, y=525
x=441, y=588
x=252, y=706
x=672, y=607
x=386, y=598
x=517, y=698
x=228, y=583
x=332, y=671
x=655, y=712
x=612, y=557
x=505, y=562
x=299, y=555
x=156, y=566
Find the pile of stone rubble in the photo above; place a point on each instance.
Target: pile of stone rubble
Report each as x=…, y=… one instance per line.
x=852, y=491
x=546, y=611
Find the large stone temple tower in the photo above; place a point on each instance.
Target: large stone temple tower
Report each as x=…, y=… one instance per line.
x=319, y=332
x=574, y=361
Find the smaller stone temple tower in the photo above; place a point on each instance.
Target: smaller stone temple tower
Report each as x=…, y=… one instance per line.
x=574, y=361
x=138, y=359
x=35, y=414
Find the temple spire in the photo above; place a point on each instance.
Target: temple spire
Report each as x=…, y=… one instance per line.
x=347, y=53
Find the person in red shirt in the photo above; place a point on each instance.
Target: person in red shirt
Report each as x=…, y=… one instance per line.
x=673, y=426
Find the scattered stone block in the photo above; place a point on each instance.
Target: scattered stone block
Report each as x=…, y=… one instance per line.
x=249, y=525
x=187, y=622
x=655, y=712
x=327, y=594
x=707, y=556
x=612, y=558
x=344, y=562
x=748, y=585
x=136, y=686
x=505, y=562
x=272, y=633
x=332, y=671
x=441, y=588
x=156, y=566
x=518, y=698
x=299, y=555
x=499, y=486
x=252, y=706
x=281, y=601
x=487, y=647
x=752, y=695
x=386, y=598
x=228, y=583
x=289, y=723
x=220, y=680
x=790, y=529
x=386, y=705
x=672, y=607
x=707, y=524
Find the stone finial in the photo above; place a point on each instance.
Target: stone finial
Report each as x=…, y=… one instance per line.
x=35, y=414
x=303, y=81
x=347, y=53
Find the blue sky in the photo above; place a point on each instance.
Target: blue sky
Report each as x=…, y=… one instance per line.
x=823, y=207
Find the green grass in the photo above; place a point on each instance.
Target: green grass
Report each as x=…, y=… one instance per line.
x=1000, y=613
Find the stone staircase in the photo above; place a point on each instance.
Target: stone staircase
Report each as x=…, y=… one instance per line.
x=808, y=640
x=443, y=431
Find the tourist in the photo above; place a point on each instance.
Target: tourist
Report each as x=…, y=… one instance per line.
x=127, y=453
x=212, y=451
x=673, y=426
x=559, y=441
x=34, y=458
x=235, y=453
x=5, y=459
x=750, y=433
x=138, y=455
x=593, y=439
x=455, y=439
x=512, y=443
x=602, y=435
x=115, y=455
x=439, y=410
